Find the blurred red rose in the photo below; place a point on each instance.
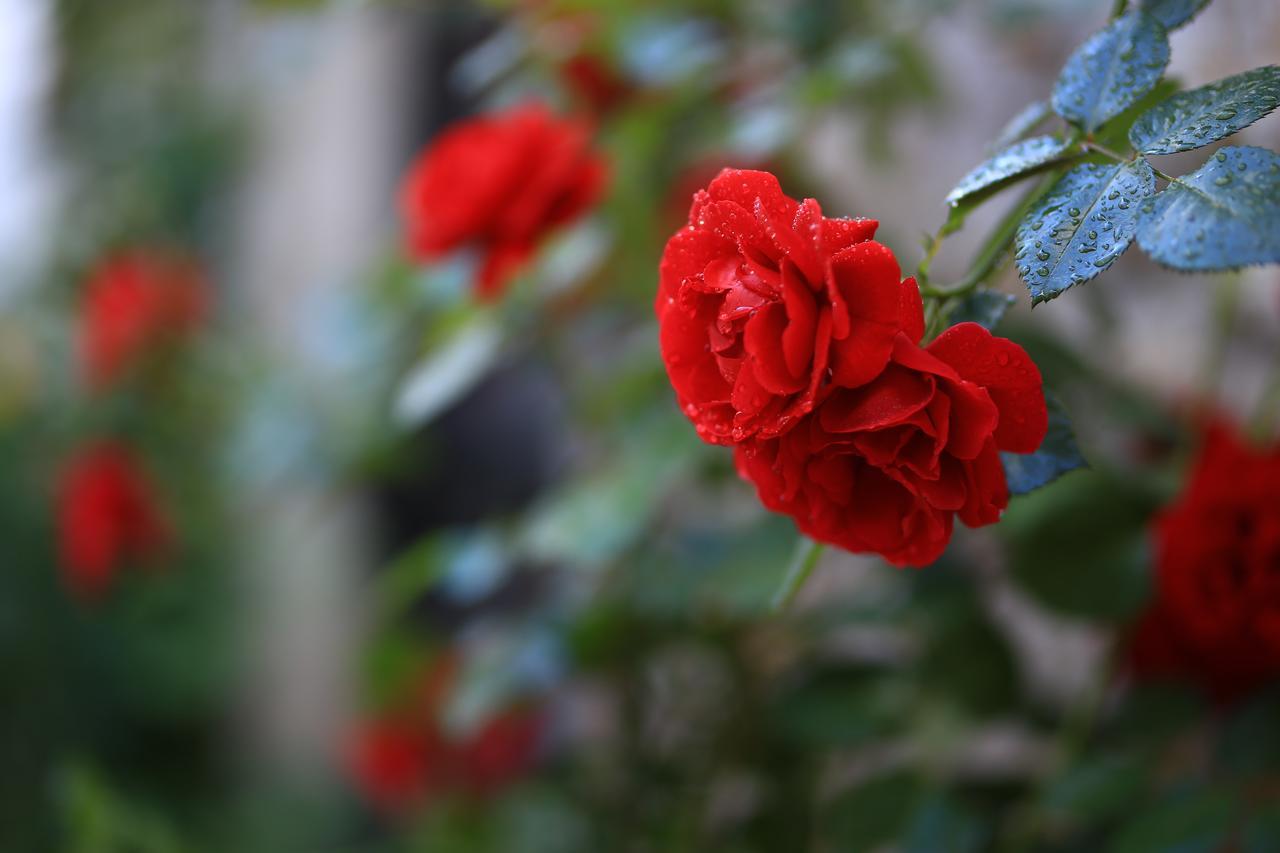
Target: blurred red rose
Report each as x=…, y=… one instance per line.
x=133, y=303
x=595, y=83
x=1215, y=617
x=500, y=752
x=397, y=763
x=500, y=183
x=107, y=514
x=403, y=759
x=886, y=466
x=764, y=304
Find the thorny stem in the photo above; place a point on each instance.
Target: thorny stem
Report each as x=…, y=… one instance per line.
x=802, y=564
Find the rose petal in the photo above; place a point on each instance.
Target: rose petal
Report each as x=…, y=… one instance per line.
x=890, y=399
x=1008, y=374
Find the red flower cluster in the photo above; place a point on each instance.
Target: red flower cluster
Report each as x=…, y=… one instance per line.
x=794, y=338
x=106, y=515
x=1215, y=619
x=500, y=183
x=133, y=304
x=403, y=759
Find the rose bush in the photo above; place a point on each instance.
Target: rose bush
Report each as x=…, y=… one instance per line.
x=500, y=183
x=1215, y=617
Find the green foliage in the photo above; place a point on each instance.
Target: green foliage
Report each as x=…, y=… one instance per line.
x=1192, y=119
x=874, y=812
x=1017, y=161
x=1172, y=13
x=1224, y=215
x=1111, y=71
x=1085, y=223
x=1057, y=454
x=984, y=307
x=1195, y=822
x=1080, y=548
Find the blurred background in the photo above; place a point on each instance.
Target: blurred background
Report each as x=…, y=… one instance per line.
x=407, y=571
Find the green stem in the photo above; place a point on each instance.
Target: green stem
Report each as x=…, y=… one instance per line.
x=991, y=253
x=1226, y=305
x=1267, y=415
x=1120, y=158
x=1118, y=7
x=802, y=564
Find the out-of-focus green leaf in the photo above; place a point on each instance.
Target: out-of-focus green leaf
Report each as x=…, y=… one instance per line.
x=1200, y=116
x=1199, y=822
x=1172, y=13
x=1225, y=215
x=1082, y=226
x=1057, y=454
x=871, y=814
x=1097, y=789
x=1019, y=160
x=460, y=354
x=1112, y=70
x=939, y=825
x=984, y=307
x=969, y=663
x=1249, y=744
x=1080, y=547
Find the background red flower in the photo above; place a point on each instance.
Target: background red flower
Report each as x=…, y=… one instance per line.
x=134, y=302
x=1215, y=619
x=500, y=183
x=107, y=514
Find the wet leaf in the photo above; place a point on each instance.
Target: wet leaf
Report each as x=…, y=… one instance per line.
x=984, y=307
x=1191, y=119
x=1057, y=455
x=1172, y=13
x=1084, y=224
x=1112, y=70
x=1017, y=161
x=1224, y=215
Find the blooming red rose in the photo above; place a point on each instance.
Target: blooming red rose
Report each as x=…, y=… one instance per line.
x=886, y=466
x=765, y=305
x=500, y=752
x=396, y=763
x=500, y=183
x=107, y=514
x=133, y=303
x=1215, y=617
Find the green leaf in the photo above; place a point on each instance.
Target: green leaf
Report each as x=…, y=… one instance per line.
x=1031, y=117
x=1112, y=70
x=1082, y=226
x=1196, y=823
x=939, y=825
x=984, y=307
x=1172, y=13
x=872, y=814
x=1097, y=789
x=1223, y=216
x=1058, y=454
x=1017, y=161
x=1080, y=548
x=1192, y=119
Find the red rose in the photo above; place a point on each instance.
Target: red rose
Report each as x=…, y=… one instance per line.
x=765, y=305
x=501, y=752
x=1215, y=618
x=134, y=303
x=500, y=183
x=396, y=763
x=106, y=515
x=402, y=759
x=886, y=466
x=595, y=83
